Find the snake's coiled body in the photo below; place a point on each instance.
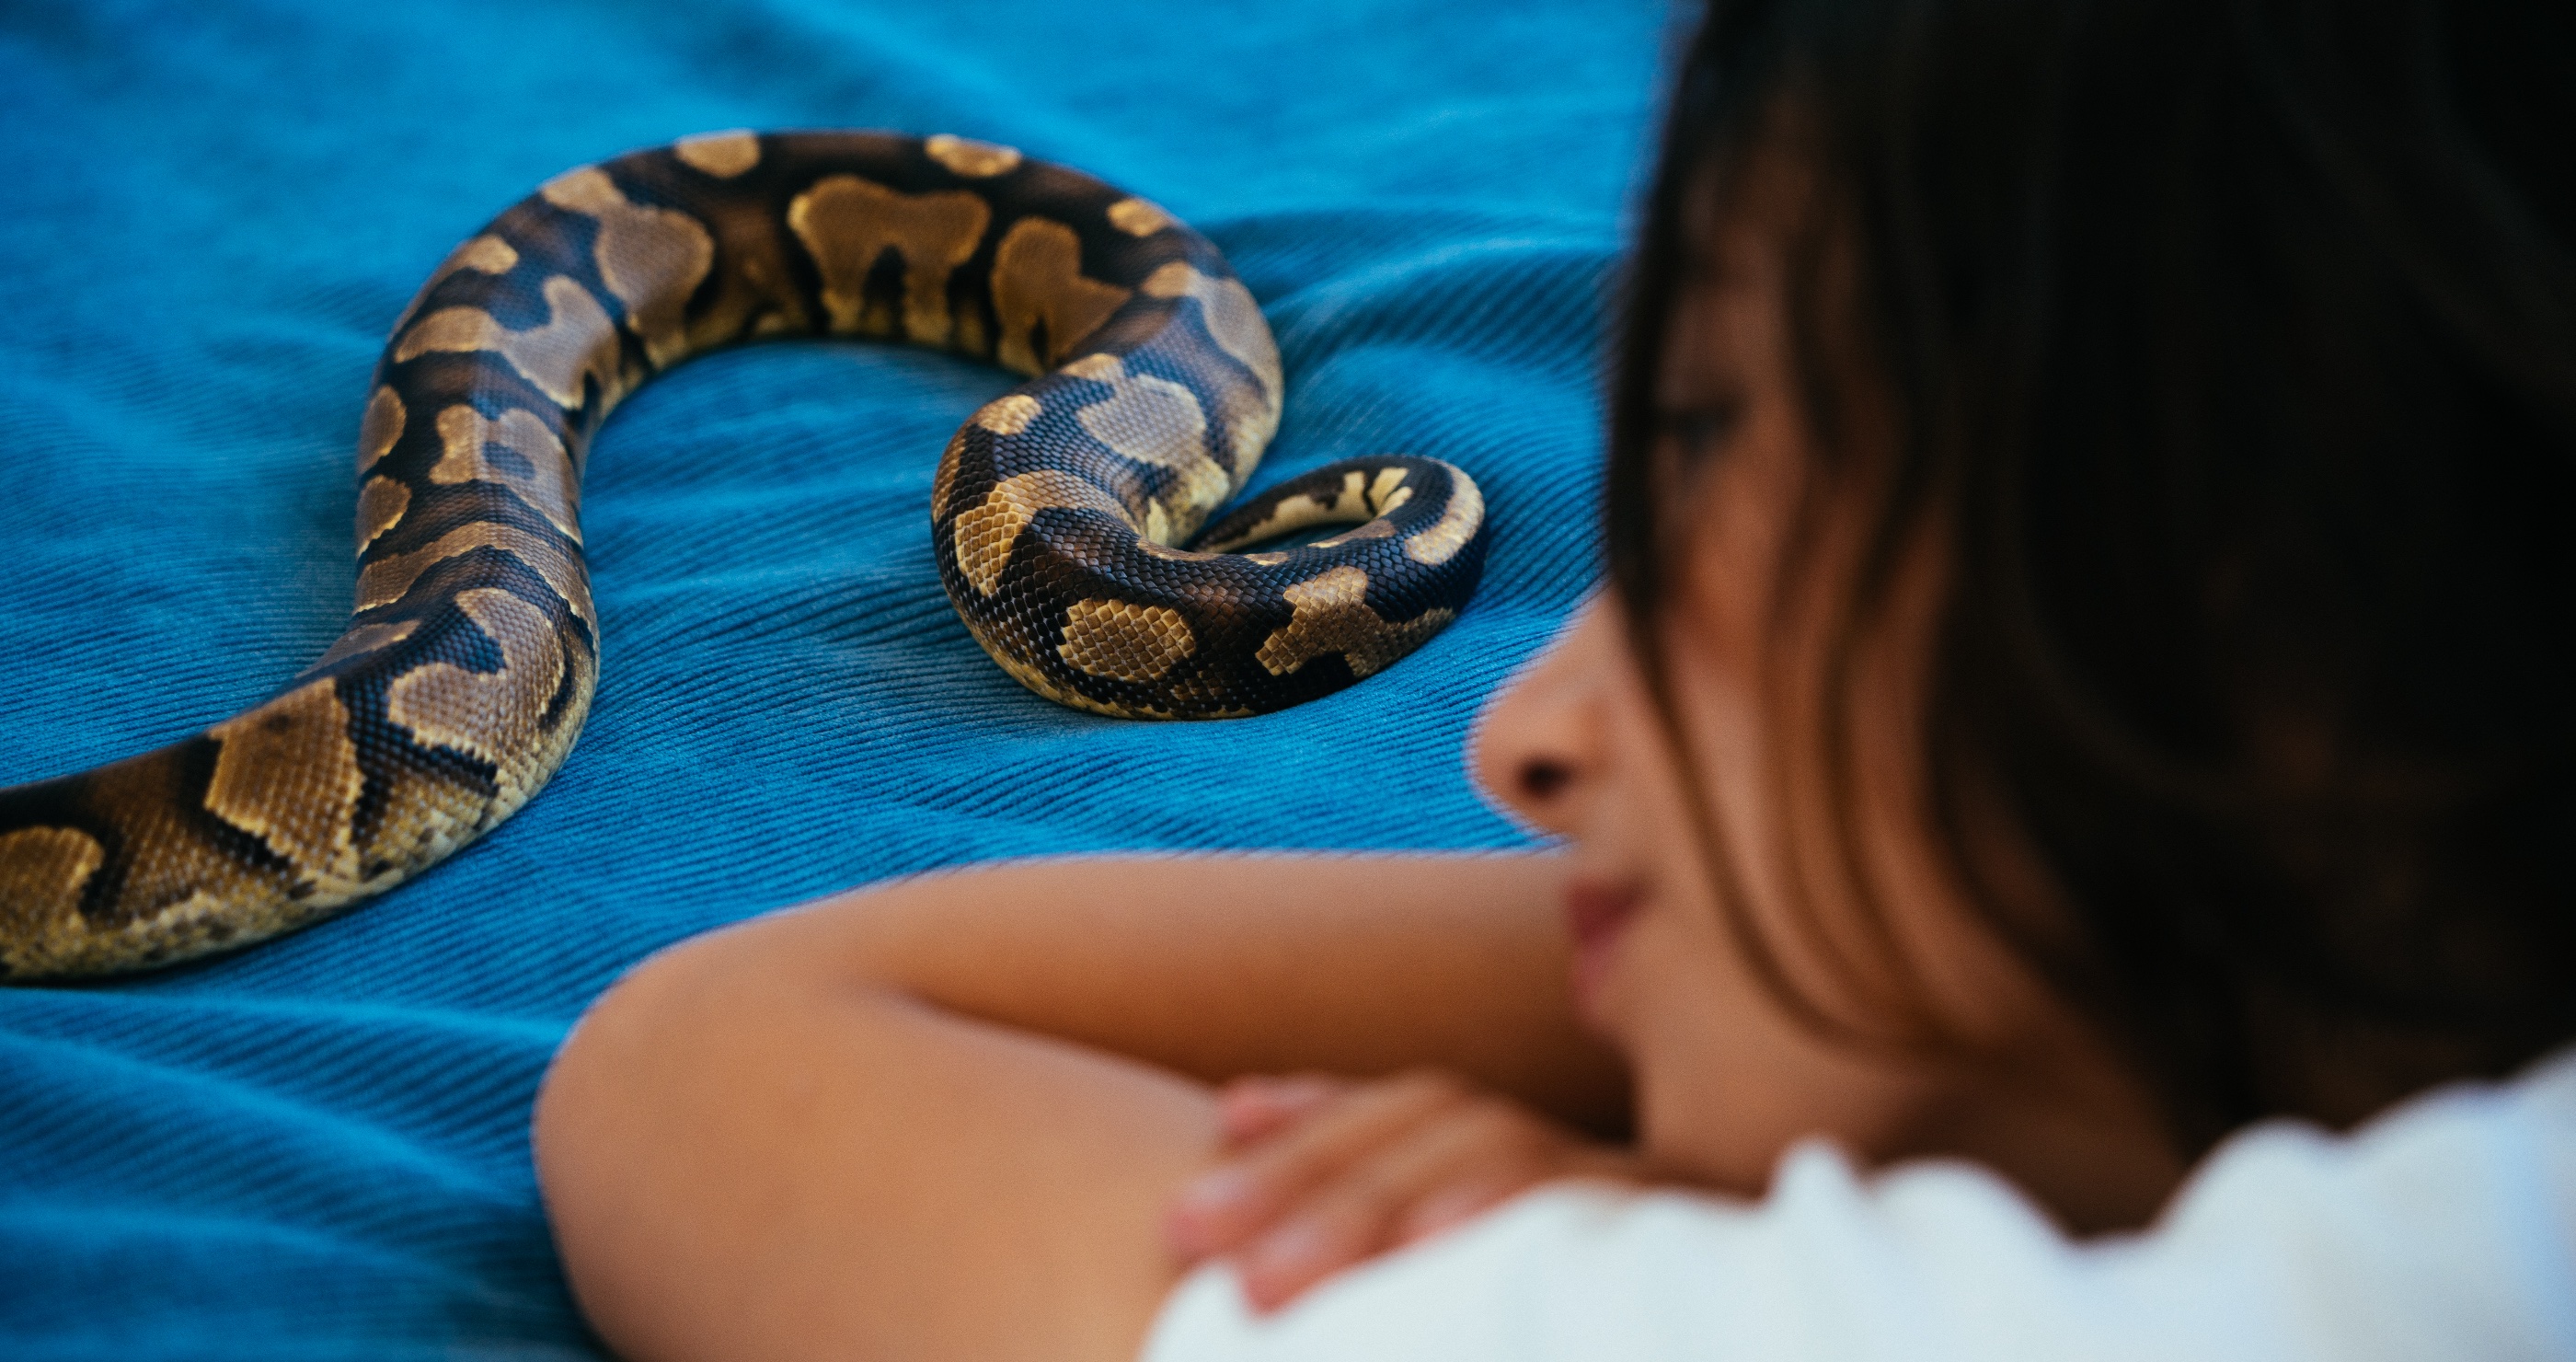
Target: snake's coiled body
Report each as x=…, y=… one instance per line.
x=1057, y=515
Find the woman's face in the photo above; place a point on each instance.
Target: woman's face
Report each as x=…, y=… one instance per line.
x=1868, y=929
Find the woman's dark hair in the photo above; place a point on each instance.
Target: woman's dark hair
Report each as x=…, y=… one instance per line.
x=2233, y=343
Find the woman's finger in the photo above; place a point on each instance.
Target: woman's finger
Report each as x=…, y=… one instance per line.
x=1454, y=1204
x=1256, y=1107
x=1463, y=1160
x=1247, y=1194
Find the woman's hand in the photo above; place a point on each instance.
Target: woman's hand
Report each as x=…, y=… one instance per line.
x=1325, y=1172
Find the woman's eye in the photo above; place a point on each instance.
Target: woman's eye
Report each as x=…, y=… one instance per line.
x=1698, y=432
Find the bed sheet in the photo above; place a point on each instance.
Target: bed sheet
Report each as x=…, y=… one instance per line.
x=213, y=212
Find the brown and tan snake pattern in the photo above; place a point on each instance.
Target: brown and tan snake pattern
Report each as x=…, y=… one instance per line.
x=1065, y=516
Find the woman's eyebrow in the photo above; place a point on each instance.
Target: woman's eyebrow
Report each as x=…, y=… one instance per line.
x=1703, y=268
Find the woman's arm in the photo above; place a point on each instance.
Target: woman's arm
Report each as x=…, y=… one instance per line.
x=944, y=1117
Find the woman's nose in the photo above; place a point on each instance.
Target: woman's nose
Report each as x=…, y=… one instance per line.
x=1537, y=749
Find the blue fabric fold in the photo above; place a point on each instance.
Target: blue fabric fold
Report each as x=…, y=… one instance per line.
x=210, y=217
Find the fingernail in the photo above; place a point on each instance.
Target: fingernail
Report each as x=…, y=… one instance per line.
x=1242, y=1115
x=1187, y=1235
x=1297, y=1244
x=1222, y=1190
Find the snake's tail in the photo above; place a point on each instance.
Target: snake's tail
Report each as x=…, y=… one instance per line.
x=1369, y=493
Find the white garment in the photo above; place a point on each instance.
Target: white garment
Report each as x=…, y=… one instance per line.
x=2443, y=1229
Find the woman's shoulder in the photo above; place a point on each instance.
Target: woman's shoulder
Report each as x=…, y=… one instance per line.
x=2445, y=1227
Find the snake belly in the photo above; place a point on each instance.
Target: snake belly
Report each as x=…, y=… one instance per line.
x=1063, y=515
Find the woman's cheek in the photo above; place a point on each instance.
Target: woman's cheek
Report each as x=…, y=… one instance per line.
x=1656, y=1002
x=1673, y=1044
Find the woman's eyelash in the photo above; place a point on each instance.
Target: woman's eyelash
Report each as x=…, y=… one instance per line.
x=1697, y=431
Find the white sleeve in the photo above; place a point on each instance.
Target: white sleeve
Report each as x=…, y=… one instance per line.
x=2447, y=1229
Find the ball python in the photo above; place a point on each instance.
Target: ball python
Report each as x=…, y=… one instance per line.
x=1066, y=515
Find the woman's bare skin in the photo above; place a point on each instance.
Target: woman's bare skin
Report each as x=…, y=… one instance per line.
x=946, y=1117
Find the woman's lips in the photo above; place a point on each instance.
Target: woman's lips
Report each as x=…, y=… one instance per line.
x=1595, y=914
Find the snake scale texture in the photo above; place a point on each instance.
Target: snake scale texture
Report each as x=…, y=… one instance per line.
x=1066, y=515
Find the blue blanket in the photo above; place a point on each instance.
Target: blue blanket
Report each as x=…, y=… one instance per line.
x=209, y=217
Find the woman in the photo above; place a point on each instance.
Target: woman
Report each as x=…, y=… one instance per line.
x=2083, y=526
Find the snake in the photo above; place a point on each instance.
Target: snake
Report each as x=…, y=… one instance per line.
x=1070, y=517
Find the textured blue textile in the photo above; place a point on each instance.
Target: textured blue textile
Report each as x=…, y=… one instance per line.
x=210, y=214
